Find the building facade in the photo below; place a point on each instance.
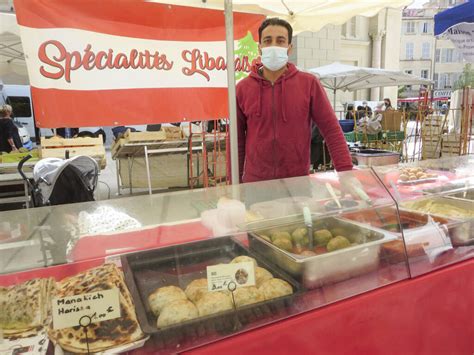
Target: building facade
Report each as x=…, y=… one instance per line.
x=422, y=54
x=362, y=41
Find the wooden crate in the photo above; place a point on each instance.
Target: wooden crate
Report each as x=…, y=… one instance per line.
x=15, y=157
x=166, y=170
x=56, y=147
x=166, y=134
x=431, y=149
x=391, y=120
x=451, y=145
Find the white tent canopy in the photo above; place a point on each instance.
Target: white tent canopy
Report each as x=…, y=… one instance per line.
x=303, y=15
x=338, y=76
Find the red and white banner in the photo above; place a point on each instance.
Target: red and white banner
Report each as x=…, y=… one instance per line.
x=124, y=62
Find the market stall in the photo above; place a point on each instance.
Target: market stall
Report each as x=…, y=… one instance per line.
x=359, y=239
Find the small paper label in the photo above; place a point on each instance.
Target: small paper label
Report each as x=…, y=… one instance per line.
x=86, y=308
x=230, y=276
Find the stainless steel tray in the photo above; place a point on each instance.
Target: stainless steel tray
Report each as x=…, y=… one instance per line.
x=374, y=157
x=466, y=194
x=461, y=229
x=331, y=267
x=445, y=188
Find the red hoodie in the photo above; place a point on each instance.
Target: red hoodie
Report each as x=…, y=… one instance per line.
x=274, y=125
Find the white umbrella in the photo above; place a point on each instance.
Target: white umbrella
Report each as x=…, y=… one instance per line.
x=338, y=76
x=303, y=15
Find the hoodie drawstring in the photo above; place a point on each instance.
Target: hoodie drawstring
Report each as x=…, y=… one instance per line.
x=283, y=106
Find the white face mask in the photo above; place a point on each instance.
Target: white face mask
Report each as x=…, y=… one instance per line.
x=274, y=58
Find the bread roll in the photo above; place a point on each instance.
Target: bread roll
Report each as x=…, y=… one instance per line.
x=248, y=295
x=262, y=275
x=214, y=302
x=164, y=295
x=177, y=312
x=275, y=288
x=243, y=259
x=196, y=289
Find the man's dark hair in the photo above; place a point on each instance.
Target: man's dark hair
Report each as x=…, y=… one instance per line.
x=275, y=21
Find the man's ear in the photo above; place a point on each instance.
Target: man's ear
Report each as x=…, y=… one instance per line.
x=290, y=49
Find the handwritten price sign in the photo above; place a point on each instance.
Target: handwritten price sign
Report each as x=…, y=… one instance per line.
x=227, y=277
x=96, y=306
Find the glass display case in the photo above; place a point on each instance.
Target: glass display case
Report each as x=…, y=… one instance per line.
x=196, y=266
x=436, y=205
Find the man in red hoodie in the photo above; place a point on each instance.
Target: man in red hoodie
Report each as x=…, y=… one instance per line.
x=276, y=106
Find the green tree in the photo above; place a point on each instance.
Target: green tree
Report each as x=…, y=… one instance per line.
x=246, y=47
x=466, y=78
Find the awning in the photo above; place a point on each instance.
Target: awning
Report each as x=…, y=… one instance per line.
x=457, y=24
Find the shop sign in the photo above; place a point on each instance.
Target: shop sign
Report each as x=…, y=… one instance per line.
x=129, y=62
x=441, y=93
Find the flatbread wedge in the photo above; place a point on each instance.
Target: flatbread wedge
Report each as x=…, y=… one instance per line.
x=24, y=307
x=102, y=335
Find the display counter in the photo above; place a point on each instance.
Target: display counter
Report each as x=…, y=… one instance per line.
x=193, y=267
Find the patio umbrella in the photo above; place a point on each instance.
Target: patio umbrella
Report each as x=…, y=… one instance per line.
x=457, y=24
x=338, y=76
x=303, y=15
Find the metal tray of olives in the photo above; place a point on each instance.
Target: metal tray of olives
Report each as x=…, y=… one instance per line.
x=459, y=211
x=178, y=265
x=359, y=257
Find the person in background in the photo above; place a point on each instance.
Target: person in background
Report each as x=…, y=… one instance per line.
x=277, y=105
x=444, y=109
x=387, y=104
x=350, y=115
x=361, y=112
x=367, y=108
x=371, y=124
x=61, y=132
x=9, y=137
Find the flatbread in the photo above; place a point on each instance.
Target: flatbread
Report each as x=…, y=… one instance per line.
x=102, y=335
x=25, y=307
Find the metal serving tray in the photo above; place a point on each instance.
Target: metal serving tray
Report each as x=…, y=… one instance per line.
x=461, y=228
x=445, y=188
x=331, y=267
x=375, y=157
x=467, y=194
x=180, y=264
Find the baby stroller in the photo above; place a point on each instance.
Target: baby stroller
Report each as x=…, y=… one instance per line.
x=57, y=181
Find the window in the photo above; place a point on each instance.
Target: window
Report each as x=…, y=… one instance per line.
x=457, y=56
x=424, y=73
x=20, y=105
x=447, y=55
x=425, y=27
x=452, y=2
x=409, y=71
x=349, y=29
x=435, y=78
x=425, y=51
x=410, y=27
x=409, y=51
x=446, y=81
x=438, y=55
